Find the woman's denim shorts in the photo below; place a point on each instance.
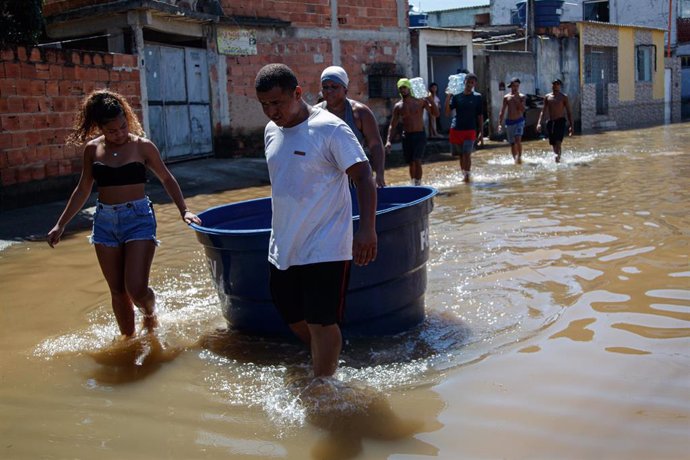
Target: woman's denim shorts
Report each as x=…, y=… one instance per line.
x=117, y=224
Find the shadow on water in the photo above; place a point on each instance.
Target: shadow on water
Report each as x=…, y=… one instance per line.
x=440, y=333
x=132, y=359
x=259, y=350
x=349, y=413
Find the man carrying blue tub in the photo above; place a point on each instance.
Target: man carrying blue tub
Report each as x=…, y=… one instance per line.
x=310, y=153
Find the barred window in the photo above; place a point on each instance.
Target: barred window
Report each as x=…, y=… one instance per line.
x=646, y=62
x=601, y=64
x=383, y=86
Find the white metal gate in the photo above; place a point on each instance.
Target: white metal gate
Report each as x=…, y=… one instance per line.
x=179, y=102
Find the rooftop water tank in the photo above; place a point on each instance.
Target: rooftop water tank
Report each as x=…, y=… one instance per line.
x=419, y=19
x=547, y=13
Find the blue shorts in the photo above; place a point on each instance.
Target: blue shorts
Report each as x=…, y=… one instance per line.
x=117, y=224
x=514, y=129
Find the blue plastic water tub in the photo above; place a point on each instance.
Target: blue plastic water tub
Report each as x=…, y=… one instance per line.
x=384, y=297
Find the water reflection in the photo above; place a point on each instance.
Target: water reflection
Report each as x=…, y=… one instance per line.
x=593, y=250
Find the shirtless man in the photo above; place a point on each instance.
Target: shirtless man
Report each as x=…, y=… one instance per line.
x=359, y=117
x=410, y=111
x=557, y=106
x=514, y=103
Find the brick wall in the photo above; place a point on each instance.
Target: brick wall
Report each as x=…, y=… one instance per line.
x=352, y=14
x=40, y=90
x=51, y=7
x=365, y=32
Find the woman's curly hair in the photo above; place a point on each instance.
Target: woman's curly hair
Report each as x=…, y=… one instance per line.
x=97, y=109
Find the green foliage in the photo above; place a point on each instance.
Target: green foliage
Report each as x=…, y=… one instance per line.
x=21, y=22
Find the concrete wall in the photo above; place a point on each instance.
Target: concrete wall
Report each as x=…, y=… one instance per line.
x=499, y=68
x=500, y=11
x=553, y=58
x=646, y=13
x=626, y=64
x=40, y=90
x=559, y=58
x=674, y=65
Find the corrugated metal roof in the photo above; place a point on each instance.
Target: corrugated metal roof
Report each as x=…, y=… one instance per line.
x=440, y=5
x=444, y=29
x=614, y=24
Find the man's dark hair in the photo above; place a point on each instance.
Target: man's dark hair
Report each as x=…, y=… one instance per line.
x=273, y=75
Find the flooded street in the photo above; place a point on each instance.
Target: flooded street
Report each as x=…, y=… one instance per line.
x=558, y=326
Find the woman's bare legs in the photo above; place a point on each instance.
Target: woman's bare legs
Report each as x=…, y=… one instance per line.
x=112, y=262
x=138, y=259
x=126, y=270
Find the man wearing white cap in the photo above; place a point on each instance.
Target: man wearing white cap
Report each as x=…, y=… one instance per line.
x=359, y=117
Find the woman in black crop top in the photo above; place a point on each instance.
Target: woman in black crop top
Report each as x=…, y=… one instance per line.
x=124, y=227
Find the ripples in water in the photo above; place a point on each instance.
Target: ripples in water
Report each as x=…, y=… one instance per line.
x=510, y=254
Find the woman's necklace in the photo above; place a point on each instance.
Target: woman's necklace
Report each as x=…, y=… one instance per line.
x=115, y=154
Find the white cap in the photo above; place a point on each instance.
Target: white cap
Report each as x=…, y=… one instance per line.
x=335, y=73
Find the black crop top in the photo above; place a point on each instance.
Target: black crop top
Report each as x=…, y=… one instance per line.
x=127, y=174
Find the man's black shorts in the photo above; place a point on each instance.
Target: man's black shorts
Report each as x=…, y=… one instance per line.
x=555, y=130
x=313, y=292
x=413, y=145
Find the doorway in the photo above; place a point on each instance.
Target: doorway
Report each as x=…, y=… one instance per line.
x=177, y=83
x=443, y=61
x=600, y=69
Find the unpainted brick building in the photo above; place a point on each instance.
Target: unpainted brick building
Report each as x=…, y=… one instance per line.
x=188, y=67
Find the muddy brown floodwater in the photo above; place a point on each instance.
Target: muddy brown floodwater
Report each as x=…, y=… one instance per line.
x=558, y=326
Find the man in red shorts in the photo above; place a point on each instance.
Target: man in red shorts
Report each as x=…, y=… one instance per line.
x=467, y=123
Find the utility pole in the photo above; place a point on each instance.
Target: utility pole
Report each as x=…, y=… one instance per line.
x=529, y=22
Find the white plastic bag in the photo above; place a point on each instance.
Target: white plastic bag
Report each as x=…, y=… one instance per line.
x=456, y=84
x=419, y=88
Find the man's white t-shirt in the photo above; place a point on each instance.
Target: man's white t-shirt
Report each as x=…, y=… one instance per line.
x=312, y=208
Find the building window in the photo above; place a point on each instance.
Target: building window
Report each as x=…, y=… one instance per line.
x=685, y=8
x=685, y=62
x=383, y=86
x=601, y=64
x=646, y=62
x=595, y=10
